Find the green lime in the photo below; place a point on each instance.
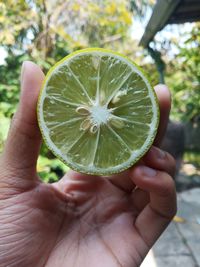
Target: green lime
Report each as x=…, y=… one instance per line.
x=97, y=111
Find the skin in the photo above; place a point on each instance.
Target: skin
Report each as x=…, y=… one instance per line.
x=82, y=220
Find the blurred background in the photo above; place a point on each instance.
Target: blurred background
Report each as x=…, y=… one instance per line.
x=163, y=37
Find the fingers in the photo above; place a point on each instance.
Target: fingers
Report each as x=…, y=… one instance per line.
x=155, y=159
x=158, y=183
x=157, y=214
x=80, y=187
x=140, y=199
x=164, y=99
x=160, y=160
x=122, y=181
x=23, y=142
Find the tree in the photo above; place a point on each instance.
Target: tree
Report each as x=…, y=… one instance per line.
x=184, y=78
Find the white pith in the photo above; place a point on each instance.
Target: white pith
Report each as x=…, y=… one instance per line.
x=100, y=114
x=97, y=115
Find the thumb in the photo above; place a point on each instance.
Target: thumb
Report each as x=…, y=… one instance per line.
x=23, y=142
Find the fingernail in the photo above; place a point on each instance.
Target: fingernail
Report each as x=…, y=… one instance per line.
x=148, y=171
x=22, y=71
x=159, y=153
x=162, y=87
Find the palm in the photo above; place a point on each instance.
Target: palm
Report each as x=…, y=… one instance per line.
x=93, y=227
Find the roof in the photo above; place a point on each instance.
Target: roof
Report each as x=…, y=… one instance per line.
x=170, y=12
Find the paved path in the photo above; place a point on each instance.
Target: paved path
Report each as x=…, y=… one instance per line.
x=180, y=243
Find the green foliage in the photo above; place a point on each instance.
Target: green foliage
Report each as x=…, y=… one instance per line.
x=15, y=18
x=152, y=73
x=9, y=87
x=50, y=170
x=140, y=6
x=4, y=126
x=184, y=78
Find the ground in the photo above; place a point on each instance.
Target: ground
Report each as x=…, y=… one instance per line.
x=180, y=243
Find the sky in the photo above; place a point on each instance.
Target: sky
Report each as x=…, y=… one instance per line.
x=3, y=55
x=180, y=32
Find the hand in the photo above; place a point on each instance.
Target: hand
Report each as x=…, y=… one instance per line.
x=81, y=220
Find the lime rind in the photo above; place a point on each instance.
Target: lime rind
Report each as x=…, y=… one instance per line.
x=136, y=155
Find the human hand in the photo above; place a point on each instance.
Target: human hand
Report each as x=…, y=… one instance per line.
x=82, y=220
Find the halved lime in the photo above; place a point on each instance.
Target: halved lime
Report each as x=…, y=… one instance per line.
x=97, y=111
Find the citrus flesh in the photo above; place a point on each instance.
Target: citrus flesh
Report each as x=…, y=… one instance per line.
x=97, y=112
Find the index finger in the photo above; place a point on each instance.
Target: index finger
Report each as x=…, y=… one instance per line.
x=164, y=99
